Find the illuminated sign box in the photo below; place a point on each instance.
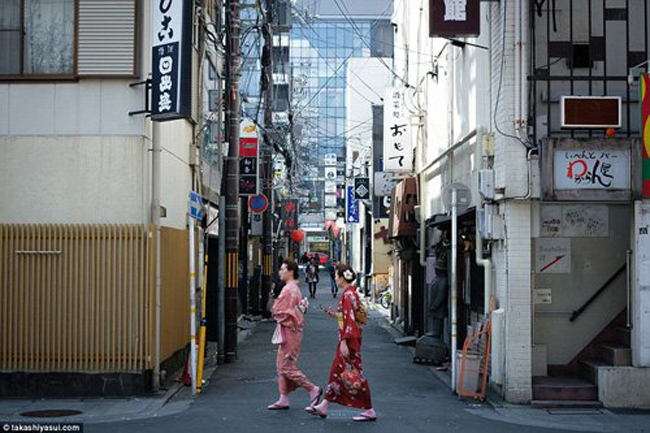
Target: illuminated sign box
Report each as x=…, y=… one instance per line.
x=590, y=112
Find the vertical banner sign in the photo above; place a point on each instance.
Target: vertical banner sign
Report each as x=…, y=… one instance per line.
x=171, y=67
x=645, y=124
x=352, y=206
x=398, y=147
x=290, y=214
x=248, y=158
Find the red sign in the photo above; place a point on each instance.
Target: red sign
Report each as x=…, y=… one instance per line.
x=248, y=147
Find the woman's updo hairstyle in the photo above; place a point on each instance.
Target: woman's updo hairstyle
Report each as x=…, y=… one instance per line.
x=346, y=272
x=292, y=266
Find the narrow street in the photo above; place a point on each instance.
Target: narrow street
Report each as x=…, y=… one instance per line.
x=406, y=396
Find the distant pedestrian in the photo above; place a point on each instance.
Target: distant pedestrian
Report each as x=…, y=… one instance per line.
x=333, y=287
x=312, y=278
x=348, y=385
x=288, y=311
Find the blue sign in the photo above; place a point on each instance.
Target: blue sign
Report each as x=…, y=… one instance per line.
x=196, y=206
x=258, y=203
x=352, y=206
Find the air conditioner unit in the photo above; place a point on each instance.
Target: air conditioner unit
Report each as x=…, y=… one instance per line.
x=489, y=223
x=486, y=184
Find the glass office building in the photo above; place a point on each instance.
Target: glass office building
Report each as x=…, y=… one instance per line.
x=320, y=48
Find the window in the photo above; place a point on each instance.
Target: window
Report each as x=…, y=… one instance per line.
x=47, y=43
x=65, y=39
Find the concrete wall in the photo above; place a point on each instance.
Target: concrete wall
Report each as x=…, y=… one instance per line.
x=74, y=179
x=624, y=387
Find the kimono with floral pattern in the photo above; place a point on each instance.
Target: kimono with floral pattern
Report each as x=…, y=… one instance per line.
x=286, y=311
x=348, y=385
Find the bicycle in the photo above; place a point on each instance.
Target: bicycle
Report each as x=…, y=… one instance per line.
x=386, y=297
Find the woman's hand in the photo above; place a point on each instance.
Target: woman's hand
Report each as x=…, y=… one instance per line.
x=330, y=312
x=345, y=352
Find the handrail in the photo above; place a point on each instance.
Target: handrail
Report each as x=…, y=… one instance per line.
x=579, y=311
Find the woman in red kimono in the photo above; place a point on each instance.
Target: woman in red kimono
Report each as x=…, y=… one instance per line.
x=288, y=311
x=348, y=385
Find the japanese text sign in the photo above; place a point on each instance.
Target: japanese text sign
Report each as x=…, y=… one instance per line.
x=398, y=147
x=171, y=59
x=352, y=206
x=591, y=169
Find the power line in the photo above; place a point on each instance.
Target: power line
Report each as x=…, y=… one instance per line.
x=361, y=37
x=351, y=70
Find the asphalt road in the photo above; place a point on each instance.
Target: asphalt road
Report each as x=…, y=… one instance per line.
x=406, y=396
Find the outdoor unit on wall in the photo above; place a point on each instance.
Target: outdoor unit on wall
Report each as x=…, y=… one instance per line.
x=489, y=222
x=486, y=184
x=590, y=112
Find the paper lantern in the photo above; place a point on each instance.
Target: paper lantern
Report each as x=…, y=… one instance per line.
x=298, y=235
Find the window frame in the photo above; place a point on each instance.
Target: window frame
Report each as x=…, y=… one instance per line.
x=73, y=76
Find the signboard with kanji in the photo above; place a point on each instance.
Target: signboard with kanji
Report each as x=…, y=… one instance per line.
x=171, y=75
x=454, y=18
x=352, y=206
x=398, y=147
x=248, y=158
x=289, y=214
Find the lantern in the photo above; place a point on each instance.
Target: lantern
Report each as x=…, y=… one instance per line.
x=297, y=235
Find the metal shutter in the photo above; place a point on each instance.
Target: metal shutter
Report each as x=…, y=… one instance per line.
x=107, y=37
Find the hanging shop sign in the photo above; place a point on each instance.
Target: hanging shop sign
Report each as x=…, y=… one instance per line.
x=248, y=158
x=289, y=214
x=330, y=159
x=362, y=188
x=352, y=206
x=454, y=18
x=171, y=93
x=398, y=147
x=330, y=173
x=384, y=183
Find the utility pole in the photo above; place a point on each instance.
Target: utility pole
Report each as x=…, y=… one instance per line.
x=233, y=23
x=267, y=179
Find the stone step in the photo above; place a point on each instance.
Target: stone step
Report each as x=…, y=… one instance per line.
x=571, y=388
x=615, y=354
x=622, y=335
x=590, y=369
x=566, y=404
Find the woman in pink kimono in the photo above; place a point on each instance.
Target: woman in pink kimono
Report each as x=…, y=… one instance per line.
x=288, y=311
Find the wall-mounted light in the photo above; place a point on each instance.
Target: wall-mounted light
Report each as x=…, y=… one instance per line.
x=630, y=76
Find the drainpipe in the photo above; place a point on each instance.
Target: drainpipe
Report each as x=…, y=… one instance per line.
x=485, y=263
x=155, y=220
x=523, y=115
x=517, y=65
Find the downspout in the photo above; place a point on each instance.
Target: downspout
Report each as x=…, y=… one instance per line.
x=484, y=262
x=155, y=220
x=523, y=116
x=517, y=67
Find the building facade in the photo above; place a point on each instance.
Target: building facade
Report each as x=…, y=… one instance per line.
x=550, y=246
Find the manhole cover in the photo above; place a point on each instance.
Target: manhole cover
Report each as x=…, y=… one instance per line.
x=51, y=413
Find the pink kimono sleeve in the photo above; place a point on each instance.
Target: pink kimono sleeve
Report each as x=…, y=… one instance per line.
x=284, y=308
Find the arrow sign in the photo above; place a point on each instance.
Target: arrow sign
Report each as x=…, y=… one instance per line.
x=557, y=259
